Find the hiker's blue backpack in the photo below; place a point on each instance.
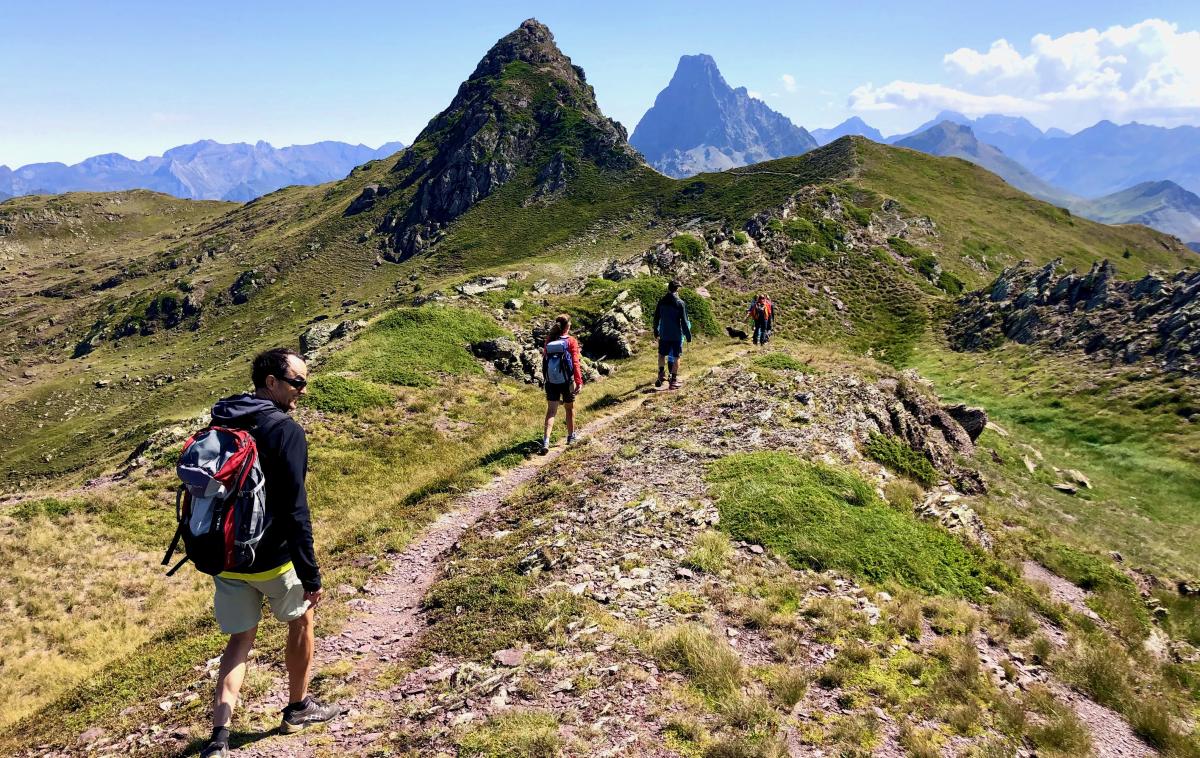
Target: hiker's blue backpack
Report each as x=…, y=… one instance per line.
x=560, y=366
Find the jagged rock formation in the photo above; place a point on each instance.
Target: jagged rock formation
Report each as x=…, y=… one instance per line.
x=1155, y=317
x=699, y=123
x=525, y=105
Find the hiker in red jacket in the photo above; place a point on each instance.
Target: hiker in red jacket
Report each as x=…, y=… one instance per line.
x=561, y=367
x=762, y=312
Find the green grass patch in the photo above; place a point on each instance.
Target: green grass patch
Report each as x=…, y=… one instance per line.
x=416, y=346
x=898, y=457
x=689, y=246
x=343, y=394
x=516, y=734
x=827, y=518
x=780, y=362
x=49, y=507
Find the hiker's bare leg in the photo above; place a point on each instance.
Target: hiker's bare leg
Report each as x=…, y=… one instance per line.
x=230, y=675
x=674, y=367
x=570, y=409
x=551, y=412
x=662, y=362
x=299, y=657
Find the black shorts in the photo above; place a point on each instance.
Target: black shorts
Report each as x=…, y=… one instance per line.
x=559, y=392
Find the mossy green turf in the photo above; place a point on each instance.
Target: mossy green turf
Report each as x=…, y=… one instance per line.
x=829, y=518
x=416, y=347
x=901, y=459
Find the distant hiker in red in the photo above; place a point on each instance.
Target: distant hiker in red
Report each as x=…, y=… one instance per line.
x=282, y=566
x=762, y=312
x=561, y=367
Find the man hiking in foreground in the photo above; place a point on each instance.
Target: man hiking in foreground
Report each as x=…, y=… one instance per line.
x=285, y=565
x=671, y=327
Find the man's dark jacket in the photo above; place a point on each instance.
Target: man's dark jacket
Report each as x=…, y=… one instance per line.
x=670, y=319
x=283, y=456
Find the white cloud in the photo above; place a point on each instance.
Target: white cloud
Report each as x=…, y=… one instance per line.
x=789, y=82
x=755, y=94
x=1147, y=71
x=900, y=94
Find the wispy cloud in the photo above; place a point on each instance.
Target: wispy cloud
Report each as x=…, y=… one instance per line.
x=789, y=82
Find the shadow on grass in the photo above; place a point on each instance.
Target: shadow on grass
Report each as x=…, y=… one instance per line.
x=236, y=740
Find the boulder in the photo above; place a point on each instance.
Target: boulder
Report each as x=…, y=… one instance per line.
x=972, y=420
x=317, y=335
x=615, y=332
x=482, y=284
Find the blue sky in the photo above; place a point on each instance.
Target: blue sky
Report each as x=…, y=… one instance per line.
x=138, y=77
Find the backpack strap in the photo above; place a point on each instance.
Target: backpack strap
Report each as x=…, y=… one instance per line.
x=178, y=532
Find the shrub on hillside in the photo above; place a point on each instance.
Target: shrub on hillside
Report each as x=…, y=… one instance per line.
x=689, y=246
x=899, y=458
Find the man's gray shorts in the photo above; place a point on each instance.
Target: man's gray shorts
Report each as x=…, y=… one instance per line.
x=237, y=603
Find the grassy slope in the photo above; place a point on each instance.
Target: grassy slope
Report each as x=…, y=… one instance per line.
x=985, y=224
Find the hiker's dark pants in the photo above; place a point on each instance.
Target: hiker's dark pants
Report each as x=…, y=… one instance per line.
x=762, y=330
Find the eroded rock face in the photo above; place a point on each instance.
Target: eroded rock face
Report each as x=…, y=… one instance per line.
x=1155, y=318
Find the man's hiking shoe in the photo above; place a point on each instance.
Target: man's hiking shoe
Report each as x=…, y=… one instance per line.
x=543, y=449
x=659, y=381
x=571, y=439
x=308, y=712
x=674, y=385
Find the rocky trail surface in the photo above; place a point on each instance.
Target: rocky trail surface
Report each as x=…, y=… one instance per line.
x=603, y=537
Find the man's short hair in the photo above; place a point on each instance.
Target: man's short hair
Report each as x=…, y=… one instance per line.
x=273, y=362
x=673, y=286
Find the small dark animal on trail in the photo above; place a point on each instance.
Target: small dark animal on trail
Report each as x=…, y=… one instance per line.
x=737, y=334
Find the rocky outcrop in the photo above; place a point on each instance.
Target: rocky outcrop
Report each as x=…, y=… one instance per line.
x=525, y=104
x=1155, y=318
x=615, y=332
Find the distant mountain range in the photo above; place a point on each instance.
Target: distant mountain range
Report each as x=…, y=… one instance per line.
x=950, y=139
x=699, y=123
x=204, y=170
x=1162, y=205
x=851, y=126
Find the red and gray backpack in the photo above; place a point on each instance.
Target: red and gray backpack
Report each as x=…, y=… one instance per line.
x=221, y=505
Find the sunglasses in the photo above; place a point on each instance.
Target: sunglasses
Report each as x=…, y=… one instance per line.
x=298, y=382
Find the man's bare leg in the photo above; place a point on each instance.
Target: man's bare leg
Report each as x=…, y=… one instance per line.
x=299, y=656
x=230, y=676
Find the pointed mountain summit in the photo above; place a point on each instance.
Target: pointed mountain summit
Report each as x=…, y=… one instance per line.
x=699, y=123
x=526, y=109
x=853, y=125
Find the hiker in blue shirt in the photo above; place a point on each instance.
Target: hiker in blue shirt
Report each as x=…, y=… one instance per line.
x=671, y=327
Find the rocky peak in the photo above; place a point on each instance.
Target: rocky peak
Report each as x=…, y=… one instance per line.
x=1154, y=317
x=525, y=104
x=699, y=123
